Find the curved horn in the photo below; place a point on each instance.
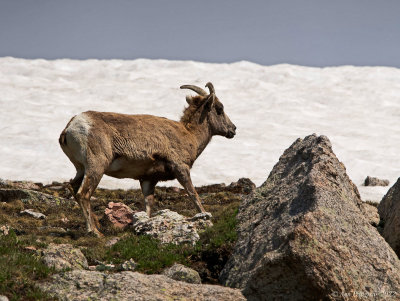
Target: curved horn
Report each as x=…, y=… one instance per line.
x=196, y=89
x=210, y=87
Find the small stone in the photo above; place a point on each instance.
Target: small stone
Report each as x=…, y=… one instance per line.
x=3, y=298
x=129, y=265
x=56, y=188
x=201, y=215
x=181, y=273
x=372, y=181
x=4, y=230
x=112, y=241
x=53, y=231
x=34, y=214
x=30, y=248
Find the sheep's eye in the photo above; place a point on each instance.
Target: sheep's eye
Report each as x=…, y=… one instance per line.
x=219, y=110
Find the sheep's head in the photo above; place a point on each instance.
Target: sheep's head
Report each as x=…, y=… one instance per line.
x=211, y=110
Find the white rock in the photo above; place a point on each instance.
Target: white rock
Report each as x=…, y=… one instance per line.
x=168, y=226
x=35, y=214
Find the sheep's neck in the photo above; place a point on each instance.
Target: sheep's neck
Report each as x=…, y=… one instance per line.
x=203, y=136
x=200, y=129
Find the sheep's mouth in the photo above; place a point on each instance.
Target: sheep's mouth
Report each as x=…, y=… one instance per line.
x=230, y=134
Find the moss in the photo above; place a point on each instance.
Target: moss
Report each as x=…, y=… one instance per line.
x=19, y=269
x=224, y=230
x=151, y=256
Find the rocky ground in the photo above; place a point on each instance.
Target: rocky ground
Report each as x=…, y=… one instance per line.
x=304, y=234
x=40, y=225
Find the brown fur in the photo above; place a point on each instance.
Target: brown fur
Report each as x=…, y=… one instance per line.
x=143, y=147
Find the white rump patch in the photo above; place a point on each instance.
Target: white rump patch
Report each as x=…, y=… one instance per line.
x=77, y=138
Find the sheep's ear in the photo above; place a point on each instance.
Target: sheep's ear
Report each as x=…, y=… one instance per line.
x=189, y=99
x=210, y=101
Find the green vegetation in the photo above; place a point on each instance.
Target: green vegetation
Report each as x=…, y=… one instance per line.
x=152, y=257
x=19, y=269
x=223, y=233
x=208, y=256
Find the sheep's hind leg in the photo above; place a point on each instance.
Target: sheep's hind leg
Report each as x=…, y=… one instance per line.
x=182, y=174
x=74, y=184
x=89, y=184
x=77, y=181
x=148, y=193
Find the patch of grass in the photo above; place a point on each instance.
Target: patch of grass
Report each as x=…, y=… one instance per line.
x=19, y=269
x=224, y=230
x=216, y=244
x=152, y=256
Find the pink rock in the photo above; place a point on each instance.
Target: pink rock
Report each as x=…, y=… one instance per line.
x=119, y=214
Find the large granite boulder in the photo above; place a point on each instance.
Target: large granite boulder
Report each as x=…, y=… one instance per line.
x=302, y=234
x=93, y=285
x=389, y=212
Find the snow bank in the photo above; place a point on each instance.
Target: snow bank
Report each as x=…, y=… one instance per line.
x=356, y=107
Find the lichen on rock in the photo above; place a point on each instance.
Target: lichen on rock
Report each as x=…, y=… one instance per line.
x=93, y=285
x=181, y=273
x=64, y=256
x=170, y=227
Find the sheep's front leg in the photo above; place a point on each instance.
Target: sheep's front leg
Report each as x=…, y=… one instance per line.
x=148, y=193
x=182, y=174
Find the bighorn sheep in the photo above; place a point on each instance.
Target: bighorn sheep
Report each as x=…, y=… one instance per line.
x=143, y=147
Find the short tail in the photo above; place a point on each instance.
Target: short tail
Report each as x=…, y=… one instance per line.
x=63, y=138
